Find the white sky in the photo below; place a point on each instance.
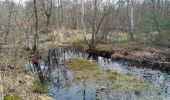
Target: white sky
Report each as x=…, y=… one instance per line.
x=18, y=0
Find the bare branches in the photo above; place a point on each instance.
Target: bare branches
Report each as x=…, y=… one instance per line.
x=47, y=6
x=10, y=8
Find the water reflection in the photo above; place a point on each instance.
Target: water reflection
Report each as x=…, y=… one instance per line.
x=58, y=78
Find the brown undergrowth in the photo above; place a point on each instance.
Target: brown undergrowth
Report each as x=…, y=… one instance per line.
x=136, y=52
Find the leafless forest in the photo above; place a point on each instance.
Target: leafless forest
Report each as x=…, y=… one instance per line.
x=84, y=49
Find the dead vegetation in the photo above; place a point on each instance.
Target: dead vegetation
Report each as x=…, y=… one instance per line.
x=137, y=52
x=16, y=80
x=20, y=84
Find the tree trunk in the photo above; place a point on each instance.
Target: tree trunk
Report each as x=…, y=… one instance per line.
x=61, y=13
x=94, y=25
x=47, y=11
x=47, y=23
x=82, y=22
x=8, y=27
x=131, y=20
x=10, y=8
x=38, y=69
x=34, y=48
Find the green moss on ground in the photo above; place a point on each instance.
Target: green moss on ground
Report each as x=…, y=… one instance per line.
x=124, y=82
x=39, y=87
x=54, y=45
x=84, y=69
x=11, y=97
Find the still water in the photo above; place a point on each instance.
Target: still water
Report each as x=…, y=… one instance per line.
x=156, y=84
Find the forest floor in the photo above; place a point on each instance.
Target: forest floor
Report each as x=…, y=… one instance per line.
x=17, y=82
x=141, y=53
x=20, y=83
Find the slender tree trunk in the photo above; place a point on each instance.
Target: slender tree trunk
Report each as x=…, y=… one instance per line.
x=10, y=8
x=34, y=48
x=82, y=22
x=61, y=13
x=155, y=16
x=92, y=46
x=131, y=20
x=158, y=7
x=47, y=23
x=166, y=5
x=8, y=26
x=39, y=72
x=47, y=11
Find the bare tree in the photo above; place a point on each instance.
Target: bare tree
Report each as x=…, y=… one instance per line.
x=47, y=6
x=96, y=25
x=10, y=10
x=92, y=45
x=82, y=21
x=34, y=48
x=131, y=20
x=61, y=13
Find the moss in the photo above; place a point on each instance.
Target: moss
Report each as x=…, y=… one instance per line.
x=54, y=46
x=84, y=69
x=165, y=76
x=101, y=88
x=24, y=48
x=121, y=37
x=76, y=42
x=39, y=87
x=25, y=71
x=124, y=82
x=11, y=97
x=112, y=75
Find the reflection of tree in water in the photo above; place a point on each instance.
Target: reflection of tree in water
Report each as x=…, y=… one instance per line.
x=57, y=76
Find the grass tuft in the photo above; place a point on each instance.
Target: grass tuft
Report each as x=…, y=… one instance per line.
x=126, y=83
x=39, y=87
x=84, y=69
x=11, y=97
x=54, y=46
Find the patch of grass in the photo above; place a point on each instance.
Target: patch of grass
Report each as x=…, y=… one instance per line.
x=24, y=48
x=122, y=82
x=165, y=76
x=77, y=43
x=11, y=97
x=84, y=69
x=121, y=37
x=54, y=46
x=25, y=71
x=39, y=87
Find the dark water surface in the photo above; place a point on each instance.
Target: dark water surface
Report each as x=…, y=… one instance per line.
x=58, y=77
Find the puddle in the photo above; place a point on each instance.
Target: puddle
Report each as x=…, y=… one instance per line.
x=156, y=83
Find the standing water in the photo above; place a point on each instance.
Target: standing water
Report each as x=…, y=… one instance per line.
x=156, y=84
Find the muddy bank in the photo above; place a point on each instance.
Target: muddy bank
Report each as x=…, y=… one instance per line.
x=146, y=55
